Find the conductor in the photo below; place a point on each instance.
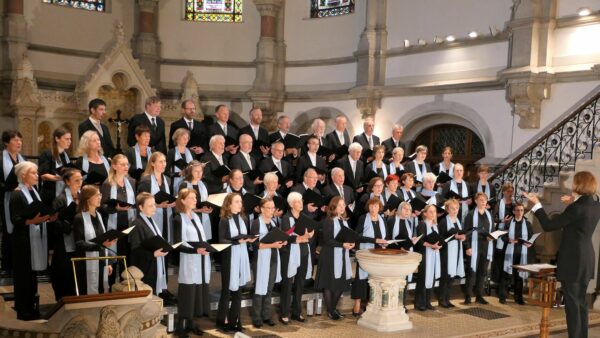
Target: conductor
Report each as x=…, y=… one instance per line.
x=576, y=257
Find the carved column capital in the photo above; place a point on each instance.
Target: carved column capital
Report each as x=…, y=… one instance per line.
x=148, y=6
x=526, y=98
x=268, y=7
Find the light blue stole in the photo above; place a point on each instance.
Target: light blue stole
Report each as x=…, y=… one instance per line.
x=206, y=224
x=338, y=252
x=161, y=273
x=263, y=263
x=38, y=236
x=295, y=258
x=7, y=166
x=475, y=239
x=510, y=248
x=369, y=232
x=240, y=264
x=177, y=179
x=433, y=264
x=158, y=215
x=456, y=266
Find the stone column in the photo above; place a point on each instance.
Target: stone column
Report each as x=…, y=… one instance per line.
x=145, y=43
x=268, y=89
x=528, y=76
x=14, y=44
x=371, y=58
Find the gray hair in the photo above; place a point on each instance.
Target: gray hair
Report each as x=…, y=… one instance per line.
x=397, y=126
x=21, y=169
x=429, y=177
x=402, y=205
x=294, y=196
x=270, y=177
x=337, y=170
x=397, y=150
x=355, y=146
x=214, y=138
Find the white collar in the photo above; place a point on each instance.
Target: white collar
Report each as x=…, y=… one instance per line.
x=188, y=121
x=216, y=155
x=94, y=121
x=150, y=117
x=223, y=125
x=254, y=126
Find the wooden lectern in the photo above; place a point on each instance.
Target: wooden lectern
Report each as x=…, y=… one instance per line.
x=542, y=290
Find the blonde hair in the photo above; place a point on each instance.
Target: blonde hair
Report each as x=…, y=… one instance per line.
x=585, y=183
x=84, y=143
x=112, y=172
x=429, y=206
x=178, y=133
x=150, y=166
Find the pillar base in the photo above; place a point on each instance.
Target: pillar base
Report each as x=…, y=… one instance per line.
x=385, y=321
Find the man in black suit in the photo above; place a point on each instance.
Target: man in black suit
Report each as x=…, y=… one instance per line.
x=223, y=127
x=213, y=159
x=367, y=140
x=277, y=161
x=150, y=117
x=259, y=134
x=337, y=187
x=309, y=182
x=576, y=258
x=97, y=108
x=354, y=168
x=283, y=129
x=310, y=159
x=198, y=136
x=339, y=136
x=394, y=141
x=244, y=161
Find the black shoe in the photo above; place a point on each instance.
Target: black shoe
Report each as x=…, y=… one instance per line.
x=421, y=308
x=269, y=322
x=223, y=327
x=450, y=305
x=299, y=318
x=445, y=305
x=257, y=324
x=520, y=301
x=429, y=307
x=502, y=300
x=467, y=300
x=284, y=322
x=482, y=301
x=355, y=314
x=338, y=313
x=238, y=327
x=334, y=316
x=197, y=331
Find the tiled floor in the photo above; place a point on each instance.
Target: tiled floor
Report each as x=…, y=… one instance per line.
x=520, y=321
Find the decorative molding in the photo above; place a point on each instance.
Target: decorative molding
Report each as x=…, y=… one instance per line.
x=208, y=63
x=576, y=21
x=268, y=7
x=64, y=51
x=108, y=323
x=77, y=327
x=321, y=62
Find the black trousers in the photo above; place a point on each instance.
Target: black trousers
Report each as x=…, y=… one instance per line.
x=476, y=278
x=26, y=286
x=422, y=294
x=192, y=301
x=576, y=308
x=517, y=283
x=261, y=304
x=232, y=313
x=6, y=254
x=292, y=289
x=444, y=288
x=61, y=274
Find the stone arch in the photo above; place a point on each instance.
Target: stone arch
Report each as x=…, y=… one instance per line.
x=44, y=135
x=438, y=112
x=302, y=122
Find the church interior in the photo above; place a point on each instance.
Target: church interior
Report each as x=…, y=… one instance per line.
x=513, y=85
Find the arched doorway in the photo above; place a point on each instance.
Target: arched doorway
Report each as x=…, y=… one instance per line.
x=466, y=145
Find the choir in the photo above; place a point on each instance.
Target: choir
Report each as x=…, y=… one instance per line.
x=298, y=187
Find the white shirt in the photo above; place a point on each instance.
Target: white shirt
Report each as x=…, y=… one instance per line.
x=395, y=142
x=255, y=130
x=340, y=136
x=188, y=123
x=282, y=134
x=277, y=163
x=219, y=157
x=223, y=126
x=247, y=157
x=312, y=157
x=352, y=164
x=97, y=125
x=150, y=117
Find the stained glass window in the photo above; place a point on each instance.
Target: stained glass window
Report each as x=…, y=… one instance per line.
x=90, y=5
x=213, y=10
x=323, y=8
